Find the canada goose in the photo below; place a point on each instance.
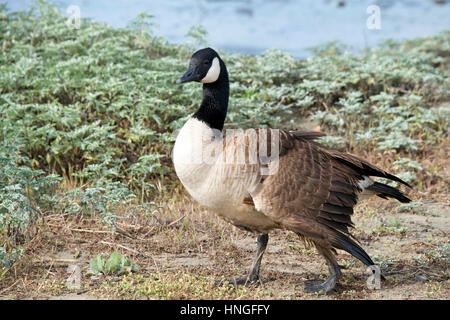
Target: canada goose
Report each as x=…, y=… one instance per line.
x=297, y=185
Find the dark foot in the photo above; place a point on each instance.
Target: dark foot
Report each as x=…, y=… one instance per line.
x=244, y=281
x=253, y=277
x=322, y=287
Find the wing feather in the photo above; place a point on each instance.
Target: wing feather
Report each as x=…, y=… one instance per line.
x=315, y=189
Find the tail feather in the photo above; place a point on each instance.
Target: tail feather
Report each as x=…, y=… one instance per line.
x=343, y=242
x=384, y=191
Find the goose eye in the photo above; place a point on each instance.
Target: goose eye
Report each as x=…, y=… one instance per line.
x=206, y=62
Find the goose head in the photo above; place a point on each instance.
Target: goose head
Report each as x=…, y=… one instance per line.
x=207, y=67
x=204, y=66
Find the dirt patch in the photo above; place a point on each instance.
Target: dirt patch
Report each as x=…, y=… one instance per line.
x=186, y=242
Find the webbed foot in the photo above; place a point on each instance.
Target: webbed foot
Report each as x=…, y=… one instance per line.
x=322, y=287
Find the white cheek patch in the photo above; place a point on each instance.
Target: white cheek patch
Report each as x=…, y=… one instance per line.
x=213, y=72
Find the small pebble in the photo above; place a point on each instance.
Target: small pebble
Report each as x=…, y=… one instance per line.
x=421, y=278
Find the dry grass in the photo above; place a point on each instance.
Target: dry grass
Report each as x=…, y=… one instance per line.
x=181, y=249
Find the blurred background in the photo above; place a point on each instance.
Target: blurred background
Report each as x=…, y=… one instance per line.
x=252, y=26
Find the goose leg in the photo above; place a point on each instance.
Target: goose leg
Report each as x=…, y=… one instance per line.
x=253, y=275
x=329, y=284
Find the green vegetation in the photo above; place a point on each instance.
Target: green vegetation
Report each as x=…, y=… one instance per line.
x=88, y=114
x=116, y=263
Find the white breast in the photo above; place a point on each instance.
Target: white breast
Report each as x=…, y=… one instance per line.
x=195, y=162
x=188, y=149
x=214, y=182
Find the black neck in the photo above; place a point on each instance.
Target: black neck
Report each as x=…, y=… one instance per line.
x=213, y=109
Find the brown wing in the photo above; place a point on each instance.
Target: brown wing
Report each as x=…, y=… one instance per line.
x=314, y=189
x=306, y=188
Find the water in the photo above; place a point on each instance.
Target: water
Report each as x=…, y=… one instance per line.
x=252, y=26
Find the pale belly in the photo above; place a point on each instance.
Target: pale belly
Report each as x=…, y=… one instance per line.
x=225, y=197
x=247, y=218
x=220, y=187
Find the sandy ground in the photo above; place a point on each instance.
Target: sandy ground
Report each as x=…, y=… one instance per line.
x=411, y=247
